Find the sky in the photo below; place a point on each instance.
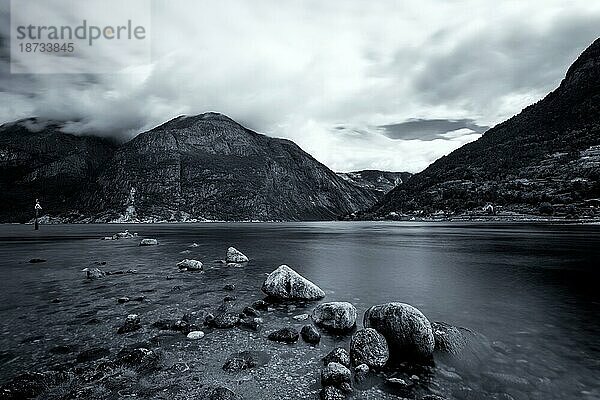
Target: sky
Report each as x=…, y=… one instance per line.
x=358, y=84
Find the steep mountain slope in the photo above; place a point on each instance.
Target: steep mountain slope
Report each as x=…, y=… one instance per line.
x=377, y=182
x=549, y=153
x=208, y=166
x=37, y=160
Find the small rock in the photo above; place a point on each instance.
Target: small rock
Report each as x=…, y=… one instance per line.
x=235, y=256
x=335, y=316
x=122, y=300
x=209, y=319
x=331, y=393
x=189, y=265
x=448, y=338
x=229, y=286
x=310, y=334
x=398, y=382
x=132, y=323
x=338, y=355
x=245, y=360
x=170, y=277
x=335, y=374
x=285, y=335
x=301, y=317
x=369, y=347
x=361, y=372
x=260, y=305
x=140, y=358
x=226, y=320
x=251, y=312
x=164, y=324
x=286, y=284
x=93, y=273
x=37, y=260
x=148, y=242
x=195, y=335
x=250, y=323
x=56, y=300
x=229, y=298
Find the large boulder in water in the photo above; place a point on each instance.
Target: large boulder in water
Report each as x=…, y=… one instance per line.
x=407, y=331
x=335, y=316
x=286, y=284
x=235, y=256
x=369, y=347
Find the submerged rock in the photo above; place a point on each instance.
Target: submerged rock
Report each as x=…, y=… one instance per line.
x=310, y=334
x=229, y=287
x=132, y=323
x=251, y=312
x=235, y=256
x=407, y=331
x=245, y=360
x=448, y=338
x=285, y=335
x=335, y=374
x=189, y=265
x=93, y=273
x=260, y=305
x=140, y=358
x=37, y=260
x=369, y=347
x=335, y=316
x=148, y=242
x=286, y=284
x=338, y=355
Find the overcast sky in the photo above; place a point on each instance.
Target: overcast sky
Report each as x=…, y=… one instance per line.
x=381, y=84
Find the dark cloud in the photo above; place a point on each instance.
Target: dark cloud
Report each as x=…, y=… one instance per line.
x=429, y=129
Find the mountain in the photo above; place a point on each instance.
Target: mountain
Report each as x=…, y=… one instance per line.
x=38, y=160
x=377, y=182
x=205, y=167
x=545, y=159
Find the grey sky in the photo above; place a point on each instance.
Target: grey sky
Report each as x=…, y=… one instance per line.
x=381, y=85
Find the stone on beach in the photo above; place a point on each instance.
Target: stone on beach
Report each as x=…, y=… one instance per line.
x=331, y=393
x=369, y=347
x=407, y=331
x=189, y=265
x=286, y=284
x=148, y=242
x=334, y=374
x=335, y=316
x=235, y=256
x=226, y=320
x=245, y=360
x=338, y=355
x=310, y=334
x=285, y=335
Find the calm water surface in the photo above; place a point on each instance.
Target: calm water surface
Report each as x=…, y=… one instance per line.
x=528, y=291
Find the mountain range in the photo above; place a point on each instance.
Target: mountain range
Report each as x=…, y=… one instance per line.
x=545, y=160
x=204, y=167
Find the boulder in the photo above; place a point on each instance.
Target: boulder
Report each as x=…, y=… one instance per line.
x=334, y=374
x=235, y=256
x=335, y=316
x=407, y=331
x=310, y=334
x=448, y=338
x=285, y=335
x=93, y=273
x=369, y=347
x=286, y=284
x=189, y=265
x=361, y=372
x=338, y=355
x=148, y=242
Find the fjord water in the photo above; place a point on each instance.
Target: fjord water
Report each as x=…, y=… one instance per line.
x=527, y=291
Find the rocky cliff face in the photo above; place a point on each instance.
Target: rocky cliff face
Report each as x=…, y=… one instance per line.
x=549, y=154
x=377, y=182
x=190, y=168
x=37, y=160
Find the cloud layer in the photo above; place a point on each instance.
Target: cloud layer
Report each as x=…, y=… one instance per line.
x=358, y=85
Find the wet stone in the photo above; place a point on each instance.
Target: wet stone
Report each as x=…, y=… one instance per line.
x=338, y=355
x=310, y=334
x=285, y=335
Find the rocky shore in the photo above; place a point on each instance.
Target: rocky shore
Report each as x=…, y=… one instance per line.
x=389, y=349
